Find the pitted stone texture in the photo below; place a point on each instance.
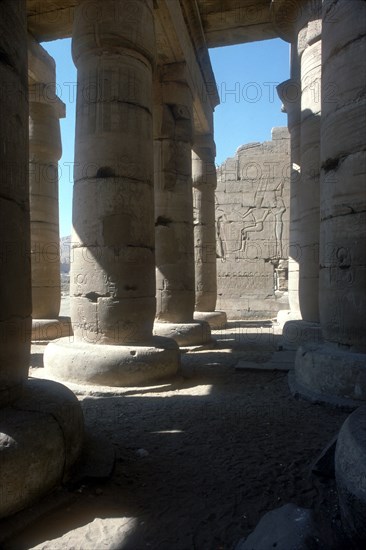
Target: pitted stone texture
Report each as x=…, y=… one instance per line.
x=84, y=363
x=41, y=438
x=185, y=334
x=350, y=468
x=216, y=319
x=252, y=222
x=327, y=374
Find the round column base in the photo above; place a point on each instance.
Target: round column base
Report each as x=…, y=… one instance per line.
x=106, y=365
x=297, y=332
x=41, y=437
x=216, y=319
x=350, y=470
x=50, y=329
x=185, y=334
x=329, y=375
x=285, y=315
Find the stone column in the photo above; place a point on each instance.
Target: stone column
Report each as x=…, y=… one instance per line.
x=290, y=95
x=336, y=370
x=113, y=261
x=301, y=324
x=204, y=184
x=309, y=50
x=174, y=211
x=40, y=422
x=45, y=110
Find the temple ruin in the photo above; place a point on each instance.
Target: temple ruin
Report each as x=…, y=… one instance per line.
x=153, y=257
x=252, y=227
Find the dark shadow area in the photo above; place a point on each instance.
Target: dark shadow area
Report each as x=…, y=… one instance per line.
x=200, y=462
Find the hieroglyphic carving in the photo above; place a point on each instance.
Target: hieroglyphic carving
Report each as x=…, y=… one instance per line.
x=252, y=223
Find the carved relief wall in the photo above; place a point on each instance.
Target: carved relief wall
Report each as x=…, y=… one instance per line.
x=252, y=223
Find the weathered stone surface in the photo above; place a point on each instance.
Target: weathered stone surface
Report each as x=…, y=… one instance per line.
x=326, y=373
x=41, y=437
x=343, y=257
x=111, y=210
x=287, y=527
x=296, y=332
x=110, y=365
x=174, y=232
x=350, y=468
x=309, y=191
x=290, y=94
x=336, y=371
x=204, y=185
x=174, y=205
x=185, y=334
x=45, y=109
x=25, y=435
x=252, y=228
x=216, y=319
x=112, y=272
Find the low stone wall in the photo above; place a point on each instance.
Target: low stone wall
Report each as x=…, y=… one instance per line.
x=252, y=222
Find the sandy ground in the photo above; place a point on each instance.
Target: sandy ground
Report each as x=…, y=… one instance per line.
x=199, y=460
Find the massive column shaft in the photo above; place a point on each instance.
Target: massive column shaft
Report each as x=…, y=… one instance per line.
x=44, y=153
x=113, y=262
x=309, y=39
x=45, y=110
x=300, y=23
x=15, y=291
x=174, y=211
x=290, y=95
x=204, y=184
x=336, y=371
x=40, y=422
